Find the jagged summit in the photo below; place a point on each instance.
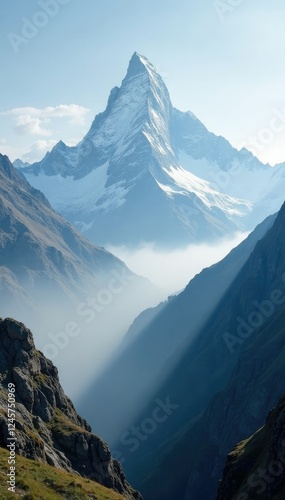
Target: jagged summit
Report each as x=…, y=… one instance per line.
x=144, y=75
x=139, y=64
x=21, y=164
x=48, y=428
x=141, y=105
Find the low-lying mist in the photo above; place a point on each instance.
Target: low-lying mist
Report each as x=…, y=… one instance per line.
x=81, y=336
x=171, y=270
x=157, y=340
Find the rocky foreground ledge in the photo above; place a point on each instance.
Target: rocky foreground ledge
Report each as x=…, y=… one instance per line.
x=47, y=426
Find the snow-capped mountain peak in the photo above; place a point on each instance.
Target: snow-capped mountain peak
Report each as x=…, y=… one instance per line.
x=139, y=65
x=141, y=68
x=141, y=98
x=146, y=171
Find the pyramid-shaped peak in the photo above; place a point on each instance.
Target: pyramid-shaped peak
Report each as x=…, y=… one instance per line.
x=139, y=64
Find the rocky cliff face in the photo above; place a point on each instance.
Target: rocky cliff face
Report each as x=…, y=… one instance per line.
x=156, y=336
x=224, y=389
x=48, y=429
x=256, y=385
x=255, y=468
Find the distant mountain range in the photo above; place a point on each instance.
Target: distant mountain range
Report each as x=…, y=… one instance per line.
x=146, y=172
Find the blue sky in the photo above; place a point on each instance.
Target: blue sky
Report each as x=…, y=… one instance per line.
x=222, y=61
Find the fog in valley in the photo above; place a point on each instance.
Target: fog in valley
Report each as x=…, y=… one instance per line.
x=171, y=270
x=83, y=334
x=80, y=333
x=102, y=331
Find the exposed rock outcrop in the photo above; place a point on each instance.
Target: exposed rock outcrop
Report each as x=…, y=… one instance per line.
x=255, y=469
x=48, y=427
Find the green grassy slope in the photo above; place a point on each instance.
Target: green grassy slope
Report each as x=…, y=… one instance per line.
x=37, y=481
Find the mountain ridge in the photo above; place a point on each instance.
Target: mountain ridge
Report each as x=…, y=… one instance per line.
x=47, y=266
x=158, y=175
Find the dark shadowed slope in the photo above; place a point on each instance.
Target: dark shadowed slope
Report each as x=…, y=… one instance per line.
x=205, y=369
x=255, y=468
x=159, y=336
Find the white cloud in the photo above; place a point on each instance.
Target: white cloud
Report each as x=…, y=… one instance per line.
x=11, y=151
x=26, y=124
x=33, y=121
x=38, y=150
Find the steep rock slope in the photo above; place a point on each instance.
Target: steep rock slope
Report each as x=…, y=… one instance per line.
x=48, y=428
x=255, y=468
x=146, y=172
x=156, y=340
x=204, y=370
x=238, y=410
x=38, y=245
x=64, y=286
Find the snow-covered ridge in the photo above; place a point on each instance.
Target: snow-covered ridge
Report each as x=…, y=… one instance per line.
x=148, y=172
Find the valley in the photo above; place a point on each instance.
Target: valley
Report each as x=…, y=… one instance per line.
x=142, y=272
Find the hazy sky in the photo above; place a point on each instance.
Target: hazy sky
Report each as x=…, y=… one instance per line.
x=223, y=62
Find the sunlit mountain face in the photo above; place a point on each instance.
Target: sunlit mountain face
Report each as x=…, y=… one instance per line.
x=146, y=172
